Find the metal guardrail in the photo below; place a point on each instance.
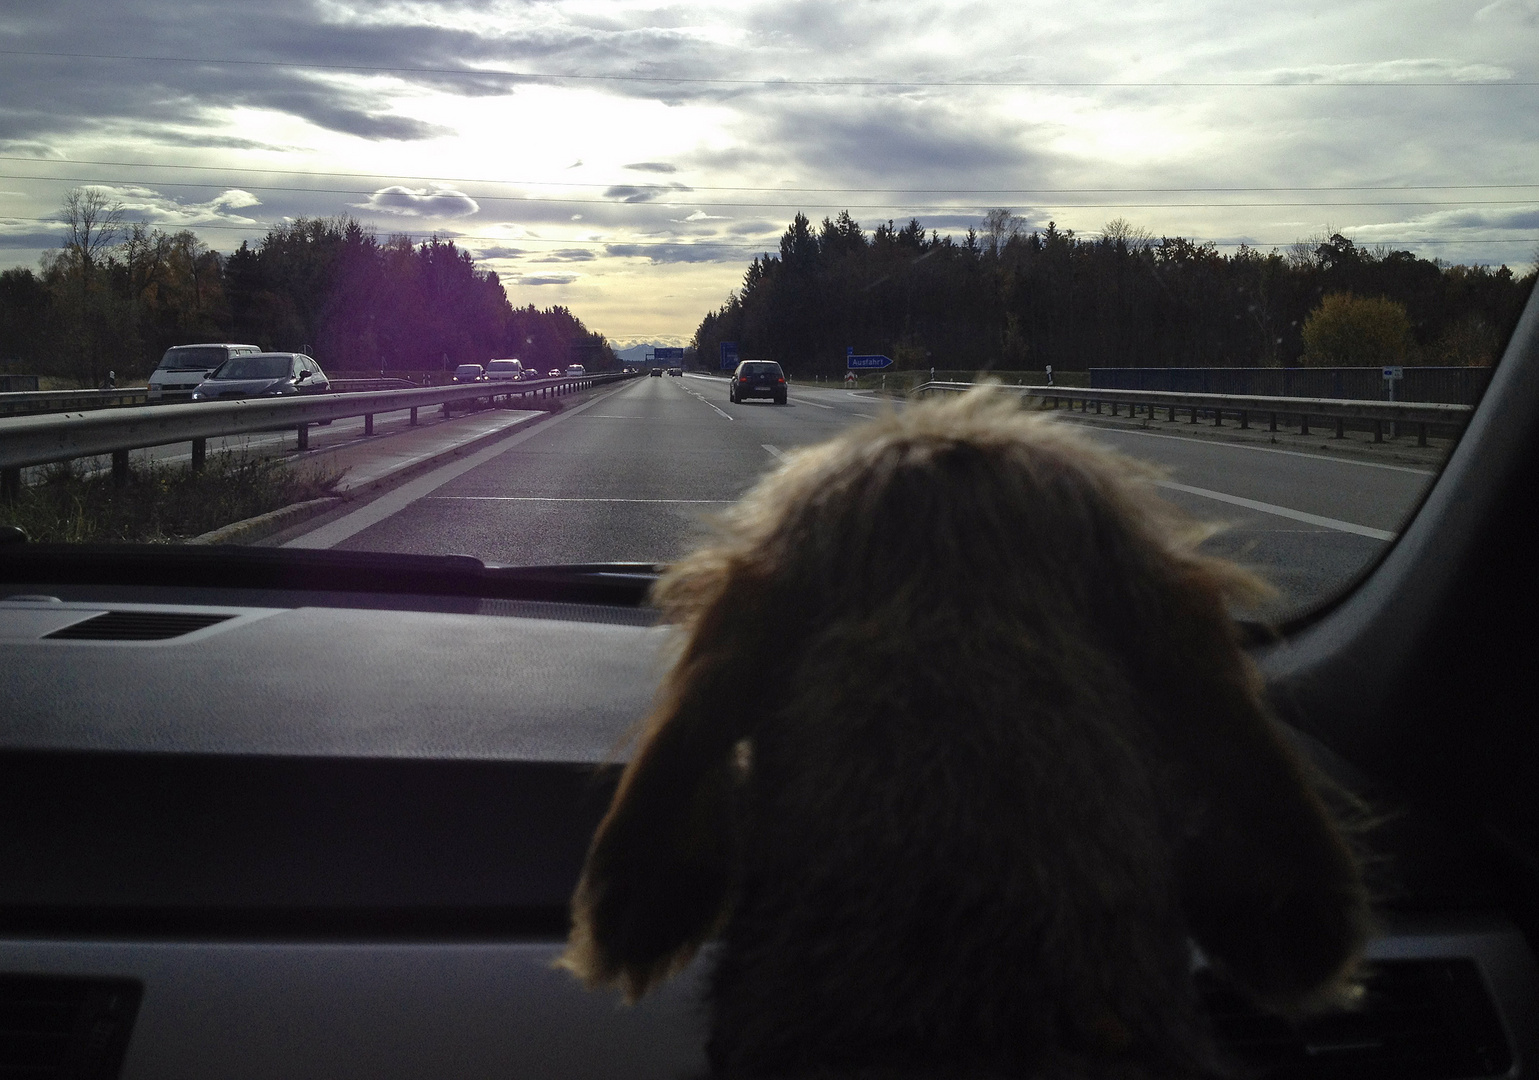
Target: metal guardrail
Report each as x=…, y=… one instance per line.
x=26, y=402
x=1243, y=407
x=41, y=440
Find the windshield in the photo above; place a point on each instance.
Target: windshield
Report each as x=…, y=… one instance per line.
x=190, y=359
x=759, y=369
x=1312, y=229
x=255, y=367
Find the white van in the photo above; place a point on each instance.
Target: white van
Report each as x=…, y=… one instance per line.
x=504, y=371
x=575, y=369
x=183, y=367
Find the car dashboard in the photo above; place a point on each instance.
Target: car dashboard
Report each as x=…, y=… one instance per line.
x=267, y=832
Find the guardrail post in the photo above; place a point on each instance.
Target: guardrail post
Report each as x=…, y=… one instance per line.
x=120, y=467
x=1274, y=421
x=304, y=437
x=413, y=418
x=10, y=485
x=446, y=410
x=1172, y=418
x=1194, y=415
x=1341, y=429
x=1244, y=419
x=1303, y=423
x=199, y=452
x=1378, y=431
x=368, y=424
x=1218, y=416
x=1421, y=434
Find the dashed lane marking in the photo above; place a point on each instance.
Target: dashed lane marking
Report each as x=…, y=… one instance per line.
x=776, y=452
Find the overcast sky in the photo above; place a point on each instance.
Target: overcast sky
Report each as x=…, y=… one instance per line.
x=628, y=158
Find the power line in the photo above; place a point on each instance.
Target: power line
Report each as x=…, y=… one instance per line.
x=916, y=208
x=740, y=187
x=536, y=76
x=721, y=245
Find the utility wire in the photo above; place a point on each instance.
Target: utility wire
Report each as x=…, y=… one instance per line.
x=537, y=76
x=771, y=188
x=678, y=198
x=722, y=245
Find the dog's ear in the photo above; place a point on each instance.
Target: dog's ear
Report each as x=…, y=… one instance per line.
x=658, y=875
x=1272, y=890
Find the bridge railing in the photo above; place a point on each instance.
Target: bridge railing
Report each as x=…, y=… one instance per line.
x=1241, y=407
x=42, y=440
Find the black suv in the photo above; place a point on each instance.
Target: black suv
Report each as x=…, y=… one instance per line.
x=758, y=378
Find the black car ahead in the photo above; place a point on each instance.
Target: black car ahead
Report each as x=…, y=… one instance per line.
x=758, y=378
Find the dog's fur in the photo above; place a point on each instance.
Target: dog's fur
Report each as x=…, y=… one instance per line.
x=959, y=755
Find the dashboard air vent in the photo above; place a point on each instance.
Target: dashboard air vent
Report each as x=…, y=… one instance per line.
x=137, y=626
x=1420, y=1020
x=65, y=1029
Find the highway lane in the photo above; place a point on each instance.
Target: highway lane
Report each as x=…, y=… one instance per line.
x=633, y=474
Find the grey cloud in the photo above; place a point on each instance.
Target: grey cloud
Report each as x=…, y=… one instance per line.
x=697, y=252
x=499, y=252
x=567, y=255
x=439, y=202
x=652, y=166
x=545, y=279
x=633, y=193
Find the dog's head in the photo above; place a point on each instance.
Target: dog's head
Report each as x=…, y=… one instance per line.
x=893, y=542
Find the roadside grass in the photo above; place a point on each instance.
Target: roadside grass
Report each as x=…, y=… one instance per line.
x=160, y=504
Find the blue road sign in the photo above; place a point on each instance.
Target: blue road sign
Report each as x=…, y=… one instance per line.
x=728, y=355
x=662, y=356
x=854, y=362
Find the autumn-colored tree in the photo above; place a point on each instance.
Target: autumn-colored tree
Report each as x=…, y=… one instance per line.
x=1356, y=331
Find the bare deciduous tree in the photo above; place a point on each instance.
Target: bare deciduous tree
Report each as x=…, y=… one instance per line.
x=92, y=223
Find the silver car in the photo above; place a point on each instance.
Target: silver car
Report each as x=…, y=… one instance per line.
x=272, y=374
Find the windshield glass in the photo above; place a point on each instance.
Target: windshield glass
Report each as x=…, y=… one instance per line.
x=760, y=369
x=189, y=359
x=255, y=367
x=1310, y=228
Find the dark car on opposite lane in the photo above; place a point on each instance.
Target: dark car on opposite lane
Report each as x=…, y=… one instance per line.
x=272, y=374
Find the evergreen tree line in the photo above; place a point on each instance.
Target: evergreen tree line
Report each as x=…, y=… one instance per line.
x=115, y=296
x=1013, y=299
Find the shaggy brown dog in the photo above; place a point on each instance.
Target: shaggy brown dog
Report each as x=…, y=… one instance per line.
x=960, y=754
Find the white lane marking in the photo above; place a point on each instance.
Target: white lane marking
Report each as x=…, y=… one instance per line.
x=701, y=399
x=868, y=416
x=1260, y=449
x=1280, y=511
x=393, y=502
x=555, y=499
x=814, y=404
x=776, y=452
x=617, y=416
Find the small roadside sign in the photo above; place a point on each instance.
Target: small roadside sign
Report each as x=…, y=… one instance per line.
x=856, y=362
x=1394, y=373
x=728, y=355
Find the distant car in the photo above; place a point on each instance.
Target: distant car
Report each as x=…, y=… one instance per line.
x=575, y=369
x=262, y=374
x=553, y=373
x=470, y=373
x=183, y=367
x=757, y=378
x=676, y=371
x=655, y=371
x=505, y=371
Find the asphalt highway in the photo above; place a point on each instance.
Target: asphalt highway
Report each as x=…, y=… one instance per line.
x=633, y=473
